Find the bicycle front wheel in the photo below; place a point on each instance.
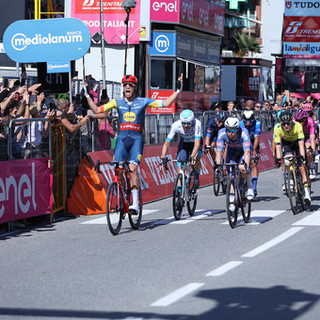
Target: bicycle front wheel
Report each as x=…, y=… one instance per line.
x=114, y=208
x=135, y=219
x=232, y=202
x=177, y=197
x=216, y=183
x=300, y=189
x=192, y=197
x=291, y=191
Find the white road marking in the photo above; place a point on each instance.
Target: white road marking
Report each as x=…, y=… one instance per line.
x=312, y=220
x=258, y=216
x=272, y=243
x=177, y=295
x=224, y=269
x=187, y=219
x=103, y=220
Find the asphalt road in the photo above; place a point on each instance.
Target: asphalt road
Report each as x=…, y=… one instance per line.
x=197, y=268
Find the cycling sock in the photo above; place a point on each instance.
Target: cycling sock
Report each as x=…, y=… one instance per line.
x=135, y=197
x=249, y=182
x=307, y=190
x=254, y=182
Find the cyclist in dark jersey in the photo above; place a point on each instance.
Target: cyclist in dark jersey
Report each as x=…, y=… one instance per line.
x=131, y=113
x=214, y=125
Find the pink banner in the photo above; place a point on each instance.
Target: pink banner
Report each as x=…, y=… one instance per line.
x=202, y=15
x=25, y=189
x=88, y=11
x=165, y=10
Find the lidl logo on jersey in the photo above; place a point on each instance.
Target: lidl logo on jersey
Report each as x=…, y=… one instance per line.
x=129, y=117
x=163, y=43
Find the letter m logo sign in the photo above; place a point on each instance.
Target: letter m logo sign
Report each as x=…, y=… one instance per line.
x=288, y=4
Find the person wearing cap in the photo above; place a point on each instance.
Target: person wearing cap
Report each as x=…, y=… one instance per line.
x=131, y=113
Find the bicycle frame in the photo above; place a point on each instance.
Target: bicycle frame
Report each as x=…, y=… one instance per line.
x=127, y=186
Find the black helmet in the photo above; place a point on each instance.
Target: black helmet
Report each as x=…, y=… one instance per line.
x=221, y=116
x=285, y=116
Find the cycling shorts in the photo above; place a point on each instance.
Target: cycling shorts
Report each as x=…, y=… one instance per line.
x=129, y=149
x=185, y=149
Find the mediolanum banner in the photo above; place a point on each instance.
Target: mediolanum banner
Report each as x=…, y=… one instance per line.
x=46, y=40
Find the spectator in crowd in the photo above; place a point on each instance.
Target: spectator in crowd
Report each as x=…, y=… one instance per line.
x=230, y=106
x=248, y=105
x=266, y=106
x=257, y=106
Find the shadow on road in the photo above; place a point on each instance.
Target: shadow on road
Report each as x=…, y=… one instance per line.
x=276, y=303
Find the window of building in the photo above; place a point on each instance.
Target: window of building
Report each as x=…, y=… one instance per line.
x=162, y=74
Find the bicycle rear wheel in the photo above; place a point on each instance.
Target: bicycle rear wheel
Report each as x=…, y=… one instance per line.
x=216, y=183
x=291, y=191
x=232, y=212
x=192, y=196
x=135, y=218
x=177, y=197
x=114, y=208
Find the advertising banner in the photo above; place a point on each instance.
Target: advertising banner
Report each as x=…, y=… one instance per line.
x=161, y=95
x=301, y=29
x=25, y=189
x=301, y=50
x=202, y=15
x=302, y=8
x=114, y=16
x=58, y=66
x=165, y=10
x=28, y=41
x=163, y=43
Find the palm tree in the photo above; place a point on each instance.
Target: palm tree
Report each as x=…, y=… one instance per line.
x=246, y=44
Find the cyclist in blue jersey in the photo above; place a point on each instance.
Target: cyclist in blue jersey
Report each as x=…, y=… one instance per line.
x=190, y=143
x=238, y=144
x=131, y=113
x=254, y=128
x=214, y=125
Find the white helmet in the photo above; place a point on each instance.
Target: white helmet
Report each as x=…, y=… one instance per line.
x=187, y=116
x=232, y=123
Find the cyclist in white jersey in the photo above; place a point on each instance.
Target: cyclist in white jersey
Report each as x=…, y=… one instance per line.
x=190, y=144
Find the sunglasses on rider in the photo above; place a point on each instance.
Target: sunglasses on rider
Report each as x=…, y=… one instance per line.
x=187, y=124
x=285, y=123
x=232, y=130
x=248, y=121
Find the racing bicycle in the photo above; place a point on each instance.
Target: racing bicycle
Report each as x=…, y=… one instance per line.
x=293, y=184
x=119, y=198
x=183, y=191
x=236, y=195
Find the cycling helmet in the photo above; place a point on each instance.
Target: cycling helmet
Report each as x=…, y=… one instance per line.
x=279, y=112
x=301, y=114
x=232, y=123
x=186, y=116
x=285, y=116
x=221, y=116
x=248, y=115
x=129, y=78
x=307, y=107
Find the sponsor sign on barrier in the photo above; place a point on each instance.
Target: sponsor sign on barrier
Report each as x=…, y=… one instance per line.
x=25, y=189
x=155, y=183
x=302, y=8
x=46, y=40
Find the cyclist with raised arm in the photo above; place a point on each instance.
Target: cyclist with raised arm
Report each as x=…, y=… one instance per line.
x=190, y=143
x=237, y=142
x=254, y=128
x=215, y=123
x=131, y=113
x=308, y=126
x=289, y=138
